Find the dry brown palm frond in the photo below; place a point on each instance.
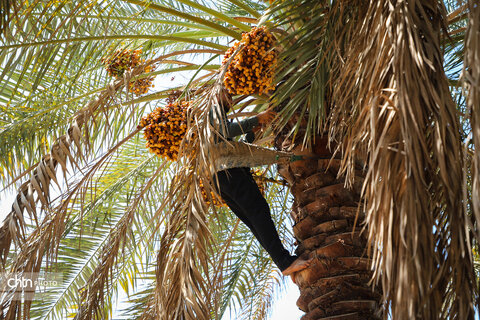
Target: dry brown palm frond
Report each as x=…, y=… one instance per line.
x=39, y=185
x=29, y=261
x=471, y=78
x=93, y=297
x=150, y=311
x=458, y=13
x=42, y=244
x=393, y=107
x=183, y=288
x=182, y=262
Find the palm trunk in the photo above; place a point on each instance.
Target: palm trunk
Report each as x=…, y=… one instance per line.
x=327, y=228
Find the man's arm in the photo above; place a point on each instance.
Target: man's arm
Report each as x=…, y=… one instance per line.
x=241, y=127
x=233, y=129
x=250, y=124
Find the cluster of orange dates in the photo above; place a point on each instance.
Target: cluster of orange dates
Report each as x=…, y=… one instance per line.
x=164, y=129
x=251, y=69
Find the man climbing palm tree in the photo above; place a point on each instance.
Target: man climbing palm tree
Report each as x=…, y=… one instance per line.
x=242, y=195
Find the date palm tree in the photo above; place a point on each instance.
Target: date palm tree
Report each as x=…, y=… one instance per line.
x=386, y=189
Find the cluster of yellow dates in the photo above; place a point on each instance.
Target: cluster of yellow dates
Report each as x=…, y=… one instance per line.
x=125, y=60
x=164, y=129
x=217, y=201
x=120, y=61
x=141, y=86
x=251, y=70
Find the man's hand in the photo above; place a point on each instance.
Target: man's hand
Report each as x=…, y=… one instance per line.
x=265, y=117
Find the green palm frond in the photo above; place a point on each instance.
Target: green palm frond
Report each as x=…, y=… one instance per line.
x=45, y=172
x=87, y=233
x=306, y=62
x=58, y=61
x=93, y=298
x=43, y=242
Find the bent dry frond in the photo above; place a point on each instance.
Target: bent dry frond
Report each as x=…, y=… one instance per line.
x=394, y=96
x=471, y=78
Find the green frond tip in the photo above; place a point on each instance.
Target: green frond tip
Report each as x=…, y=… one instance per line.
x=188, y=17
x=246, y=7
x=217, y=14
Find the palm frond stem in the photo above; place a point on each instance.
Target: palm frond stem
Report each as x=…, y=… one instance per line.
x=116, y=37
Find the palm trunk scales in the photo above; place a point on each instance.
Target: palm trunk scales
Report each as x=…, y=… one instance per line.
x=336, y=286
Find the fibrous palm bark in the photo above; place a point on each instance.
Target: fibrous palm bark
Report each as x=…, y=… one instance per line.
x=328, y=228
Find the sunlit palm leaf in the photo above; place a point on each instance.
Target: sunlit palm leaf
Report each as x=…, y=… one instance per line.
x=87, y=233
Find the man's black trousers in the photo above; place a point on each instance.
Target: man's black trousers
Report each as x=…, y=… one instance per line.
x=241, y=193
